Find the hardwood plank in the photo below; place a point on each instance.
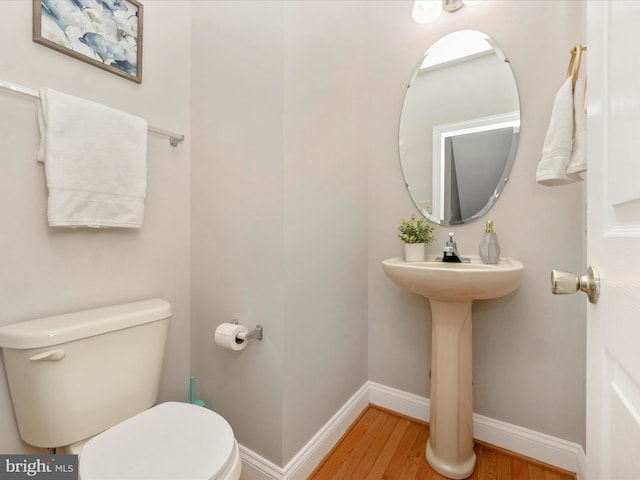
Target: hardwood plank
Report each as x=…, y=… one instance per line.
x=548, y=475
x=359, y=450
x=425, y=472
x=401, y=454
x=520, y=469
x=479, y=451
x=415, y=456
x=489, y=466
x=505, y=467
x=383, y=460
x=535, y=472
x=377, y=445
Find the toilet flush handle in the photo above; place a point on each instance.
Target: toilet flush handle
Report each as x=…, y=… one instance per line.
x=49, y=356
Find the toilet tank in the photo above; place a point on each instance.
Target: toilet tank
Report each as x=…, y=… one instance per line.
x=75, y=375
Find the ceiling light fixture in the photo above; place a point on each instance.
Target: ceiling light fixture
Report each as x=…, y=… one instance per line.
x=427, y=11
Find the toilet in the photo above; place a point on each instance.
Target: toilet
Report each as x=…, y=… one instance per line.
x=87, y=383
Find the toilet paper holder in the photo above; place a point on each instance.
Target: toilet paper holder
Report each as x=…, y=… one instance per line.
x=256, y=333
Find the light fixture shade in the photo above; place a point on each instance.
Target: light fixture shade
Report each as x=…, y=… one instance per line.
x=426, y=11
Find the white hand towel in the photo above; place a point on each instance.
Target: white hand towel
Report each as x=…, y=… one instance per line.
x=578, y=162
x=95, y=160
x=558, y=143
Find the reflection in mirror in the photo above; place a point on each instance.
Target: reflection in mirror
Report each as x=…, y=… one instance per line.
x=459, y=128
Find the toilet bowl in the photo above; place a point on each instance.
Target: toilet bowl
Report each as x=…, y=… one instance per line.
x=95, y=375
x=172, y=440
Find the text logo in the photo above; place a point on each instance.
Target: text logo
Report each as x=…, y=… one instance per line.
x=50, y=467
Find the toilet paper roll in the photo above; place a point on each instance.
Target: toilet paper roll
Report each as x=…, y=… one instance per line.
x=227, y=336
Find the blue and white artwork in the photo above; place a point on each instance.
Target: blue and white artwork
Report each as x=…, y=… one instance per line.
x=106, y=33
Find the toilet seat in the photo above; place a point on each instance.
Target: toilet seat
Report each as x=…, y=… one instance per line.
x=172, y=440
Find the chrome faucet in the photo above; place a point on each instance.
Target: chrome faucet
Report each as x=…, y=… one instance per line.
x=451, y=253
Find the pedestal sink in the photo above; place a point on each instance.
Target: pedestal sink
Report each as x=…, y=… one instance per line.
x=451, y=288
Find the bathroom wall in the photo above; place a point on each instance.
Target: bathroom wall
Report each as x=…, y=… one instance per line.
x=529, y=348
x=237, y=216
x=278, y=214
x=46, y=271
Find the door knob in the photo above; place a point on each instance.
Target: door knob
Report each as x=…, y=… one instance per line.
x=563, y=283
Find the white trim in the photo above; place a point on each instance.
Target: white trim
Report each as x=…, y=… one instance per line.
x=581, y=472
x=396, y=400
x=545, y=448
x=306, y=460
x=255, y=467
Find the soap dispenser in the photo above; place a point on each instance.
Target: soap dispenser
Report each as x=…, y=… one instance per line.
x=489, y=246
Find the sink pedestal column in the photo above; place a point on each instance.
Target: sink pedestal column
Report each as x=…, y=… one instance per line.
x=450, y=446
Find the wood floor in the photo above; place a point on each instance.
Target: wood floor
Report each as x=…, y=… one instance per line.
x=382, y=445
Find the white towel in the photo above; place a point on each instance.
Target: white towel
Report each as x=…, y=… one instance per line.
x=95, y=160
x=558, y=143
x=578, y=162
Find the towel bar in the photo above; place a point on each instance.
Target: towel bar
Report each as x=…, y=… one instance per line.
x=174, y=138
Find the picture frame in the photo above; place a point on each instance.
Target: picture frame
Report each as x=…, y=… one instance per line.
x=104, y=33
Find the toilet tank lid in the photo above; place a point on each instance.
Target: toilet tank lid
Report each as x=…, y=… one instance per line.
x=58, y=329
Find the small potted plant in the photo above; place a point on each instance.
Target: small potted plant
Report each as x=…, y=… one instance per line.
x=415, y=233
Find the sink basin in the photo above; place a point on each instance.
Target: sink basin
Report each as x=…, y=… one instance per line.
x=451, y=289
x=456, y=282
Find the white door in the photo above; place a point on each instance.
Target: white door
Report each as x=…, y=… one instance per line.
x=613, y=219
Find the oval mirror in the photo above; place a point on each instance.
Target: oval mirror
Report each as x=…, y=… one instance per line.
x=459, y=128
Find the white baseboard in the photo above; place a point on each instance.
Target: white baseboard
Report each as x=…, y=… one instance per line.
x=396, y=400
x=545, y=448
x=306, y=460
x=255, y=467
x=582, y=465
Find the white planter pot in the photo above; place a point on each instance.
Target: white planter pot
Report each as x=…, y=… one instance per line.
x=414, y=252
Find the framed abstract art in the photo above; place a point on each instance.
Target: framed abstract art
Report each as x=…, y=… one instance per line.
x=104, y=33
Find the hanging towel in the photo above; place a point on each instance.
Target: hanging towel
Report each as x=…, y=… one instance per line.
x=578, y=162
x=95, y=160
x=558, y=143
